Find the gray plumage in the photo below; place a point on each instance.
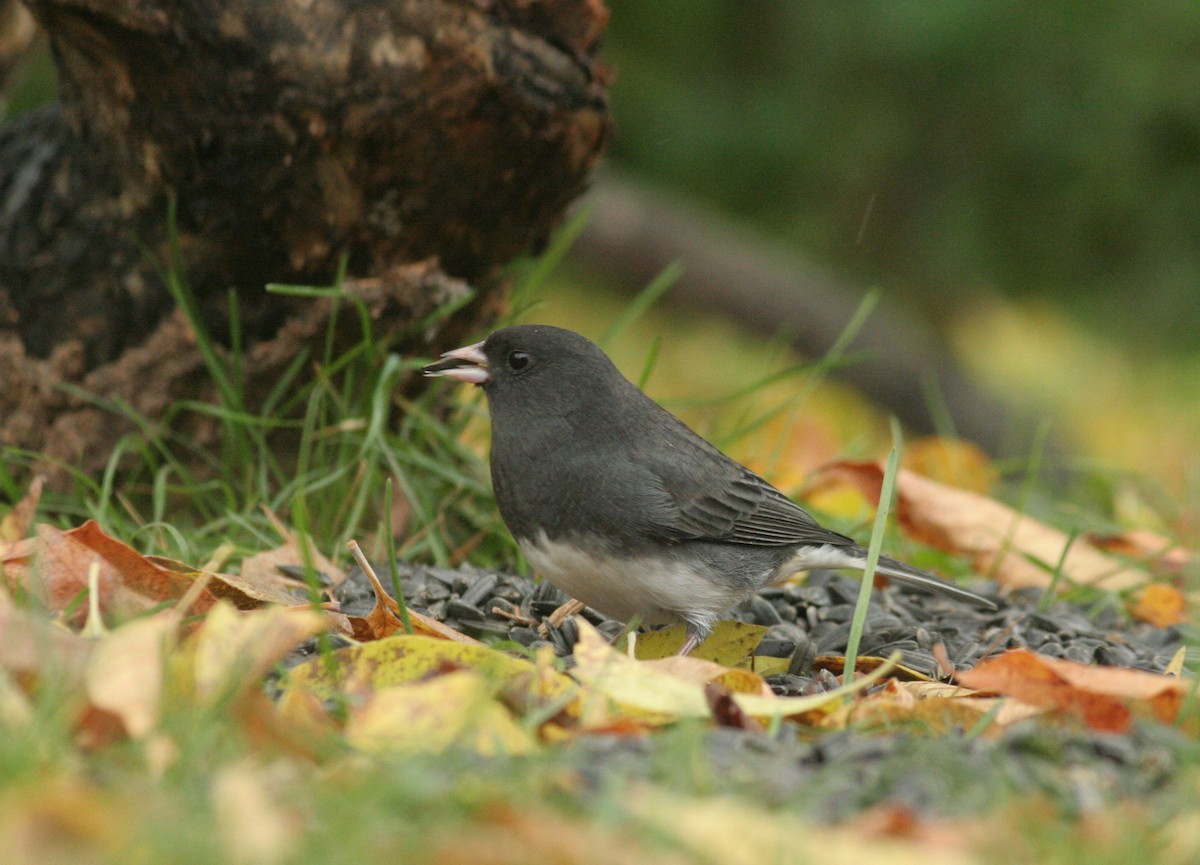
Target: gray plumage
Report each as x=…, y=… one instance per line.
x=621, y=505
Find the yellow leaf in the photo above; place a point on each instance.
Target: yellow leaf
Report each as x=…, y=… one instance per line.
x=405, y=658
x=634, y=685
x=699, y=671
x=457, y=708
x=728, y=643
x=637, y=686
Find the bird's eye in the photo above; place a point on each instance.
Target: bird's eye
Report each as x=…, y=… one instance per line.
x=518, y=360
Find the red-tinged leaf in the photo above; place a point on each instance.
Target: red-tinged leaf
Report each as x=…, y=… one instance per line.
x=1105, y=697
x=135, y=571
x=60, y=574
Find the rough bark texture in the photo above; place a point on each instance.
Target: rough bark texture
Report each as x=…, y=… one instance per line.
x=289, y=135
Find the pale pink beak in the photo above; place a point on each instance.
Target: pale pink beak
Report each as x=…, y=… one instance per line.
x=468, y=364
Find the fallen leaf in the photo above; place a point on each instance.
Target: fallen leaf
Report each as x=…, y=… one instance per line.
x=1159, y=604
x=15, y=524
x=1163, y=555
x=125, y=672
x=455, y=709
x=233, y=650
x=137, y=572
x=939, y=707
x=640, y=687
x=998, y=540
x=728, y=644
x=725, y=710
x=58, y=575
x=242, y=593
x=33, y=648
x=956, y=462
x=263, y=568
x=408, y=658
x=1107, y=698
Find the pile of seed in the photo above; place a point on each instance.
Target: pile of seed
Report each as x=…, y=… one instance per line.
x=838, y=774
x=805, y=621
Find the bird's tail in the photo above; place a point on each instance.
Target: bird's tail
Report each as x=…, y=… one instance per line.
x=925, y=581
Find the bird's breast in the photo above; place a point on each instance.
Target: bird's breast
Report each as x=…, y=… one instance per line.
x=661, y=589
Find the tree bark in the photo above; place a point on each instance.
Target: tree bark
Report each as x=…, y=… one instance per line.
x=291, y=137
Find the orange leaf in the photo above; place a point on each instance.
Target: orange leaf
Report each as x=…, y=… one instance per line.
x=997, y=539
x=137, y=572
x=1105, y=697
x=951, y=461
x=1160, y=604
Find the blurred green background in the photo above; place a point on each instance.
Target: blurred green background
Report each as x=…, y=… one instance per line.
x=938, y=148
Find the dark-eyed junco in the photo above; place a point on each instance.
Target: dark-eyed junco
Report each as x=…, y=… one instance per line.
x=618, y=503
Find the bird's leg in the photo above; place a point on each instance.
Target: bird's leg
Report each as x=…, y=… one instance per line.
x=696, y=633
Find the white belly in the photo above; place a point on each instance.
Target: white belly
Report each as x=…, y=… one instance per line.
x=621, y=587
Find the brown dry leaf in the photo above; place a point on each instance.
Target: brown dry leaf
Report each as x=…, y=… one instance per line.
x=262, y=569
x=233, y=650
x=1159, y=604
x=936, y=705
x=127, y=581
x=54, y=568
x=15, y=524
x=423, y=625
x=1163, y=555
x=242, y=593
x=125, y=672
x=993, y=535
x=1106, y=697
x=137, y=572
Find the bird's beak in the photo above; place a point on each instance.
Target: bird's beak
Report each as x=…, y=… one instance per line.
x=468, y=364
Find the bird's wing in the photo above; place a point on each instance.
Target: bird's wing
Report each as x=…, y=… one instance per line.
x=707, y=496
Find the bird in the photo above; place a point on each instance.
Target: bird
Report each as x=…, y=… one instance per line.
x=622, y=506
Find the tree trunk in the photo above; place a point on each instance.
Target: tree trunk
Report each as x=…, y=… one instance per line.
x=291, y=137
